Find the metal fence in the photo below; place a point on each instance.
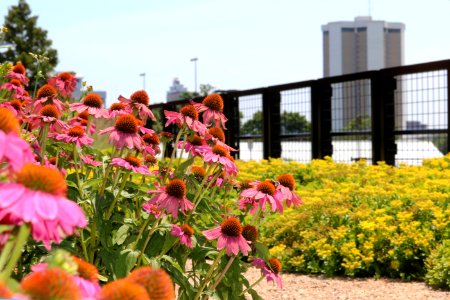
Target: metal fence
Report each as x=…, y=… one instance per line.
x=396, y=115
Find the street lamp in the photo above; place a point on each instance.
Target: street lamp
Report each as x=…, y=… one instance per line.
x=143, y=78
x=195, y=71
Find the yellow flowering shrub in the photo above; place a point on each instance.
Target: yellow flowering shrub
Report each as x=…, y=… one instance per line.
x=358, y=219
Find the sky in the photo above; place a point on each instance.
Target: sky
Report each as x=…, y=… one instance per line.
x=240, y=44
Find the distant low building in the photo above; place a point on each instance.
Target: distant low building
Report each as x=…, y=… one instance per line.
x=77, y=93
x=176, y=90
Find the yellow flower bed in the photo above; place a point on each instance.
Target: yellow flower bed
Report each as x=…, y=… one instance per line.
x=358, y=219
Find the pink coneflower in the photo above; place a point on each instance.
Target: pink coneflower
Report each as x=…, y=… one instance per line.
x=212, y=108
x=188, y=115
x=48, y=114
x=265, y=191
x=65, y=82
x=217, y=137
x=194, y=145
x=14, y=85
x=152, y=209
x=230, y=237
x=82, y=119
x=18, y=72
x=287, y=187
x=124, y=133
x=46, y=95
x=131, y=163
x=151, y=141
x=89, y=160
x=93, y=104
x=38, y=197
x=75, y=135
x=13, y=149
x=140, y=101
x=118, y=109
x=87, y=278
x=219, y=154
x=270, y=270
x=172, y=197
x=184, y=232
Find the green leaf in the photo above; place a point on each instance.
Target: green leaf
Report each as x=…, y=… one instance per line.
x=121, y=235
x=262, y=251
x=254, y=295
x=181, y=170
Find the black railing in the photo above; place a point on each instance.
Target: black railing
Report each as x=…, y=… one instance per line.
x=395, y=115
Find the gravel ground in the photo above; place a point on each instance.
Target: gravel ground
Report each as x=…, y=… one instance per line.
x=319, y=287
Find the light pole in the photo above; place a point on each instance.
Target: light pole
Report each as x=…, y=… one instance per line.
x=195, y=71
x=143, y=78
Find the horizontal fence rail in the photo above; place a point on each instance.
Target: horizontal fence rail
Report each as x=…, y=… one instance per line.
x=396, y=115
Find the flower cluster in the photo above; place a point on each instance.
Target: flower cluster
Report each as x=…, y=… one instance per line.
x=106, y=186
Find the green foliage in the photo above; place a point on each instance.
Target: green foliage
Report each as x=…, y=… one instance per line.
x=25, y=36
x=359, y=123
x=291, y=123
x=438, y=266
x=205, y=90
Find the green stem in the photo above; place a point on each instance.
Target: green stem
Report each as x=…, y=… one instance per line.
x=43, y=141
x=208, y=275
x=6, y=251
x=222, y=274
x=254, y=284
x=147, y=240
x=174, y=151
x=105, y=179
x=75, y=163
x=21, y=239
x=93, y=241
x=124, y=182
x=182, y=149
x=83, y=245
x=141, y=231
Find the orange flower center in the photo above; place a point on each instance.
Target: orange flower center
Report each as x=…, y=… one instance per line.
x=133, y=160
x=17, y=104
x=52, y=283
x=245, y=184
x=40, y=178
x=176, y=188
x=189, y=111
x=156, y=281
x=8, y=122
x=166, y=135
x=122, y=289
x=49, y=110
x=46, y=91
x=52, y=160
x=140, y=97
x=76, y=131
x=195, y=140
x=275, y=265
x=231, y=227
x=198, y=172
x=250, y=233
x=187, y=230
x=151, y=139
x=93, y=100
x=117, y=106
x=127, y=124
x=65, y=76
x=150, y=159
x=86, y=270
x=83, y=115
x=214, y=102
x=219, y=150
x=218, y=133
x=267, y=187
x=15, y=82
x=287, y=180
x=19, y=69
x=5, y=293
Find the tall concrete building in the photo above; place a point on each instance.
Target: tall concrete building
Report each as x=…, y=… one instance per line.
x=356, y=46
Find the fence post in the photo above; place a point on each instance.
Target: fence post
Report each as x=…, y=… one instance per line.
x=271, y=124
x=231, y=111
x=448, y=108
x=384, y=147
x=321, y=93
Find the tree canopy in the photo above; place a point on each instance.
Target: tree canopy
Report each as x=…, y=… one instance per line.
x=291, y=123
x=25, y=37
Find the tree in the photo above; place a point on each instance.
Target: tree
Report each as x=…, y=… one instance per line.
x=291, y=123
x=205, y=90
x=359, y=123
x=25, y=36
